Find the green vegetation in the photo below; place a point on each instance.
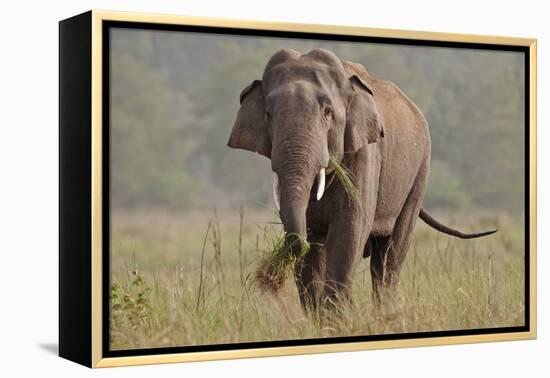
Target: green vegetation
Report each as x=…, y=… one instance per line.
x=130, y=304
x=197, y=288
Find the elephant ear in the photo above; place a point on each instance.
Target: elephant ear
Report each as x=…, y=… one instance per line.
x=250, y=131
x=363, y=123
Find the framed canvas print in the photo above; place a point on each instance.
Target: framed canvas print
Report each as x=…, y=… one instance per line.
x=235, y=189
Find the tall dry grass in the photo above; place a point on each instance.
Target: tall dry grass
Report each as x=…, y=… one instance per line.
x=188, y=280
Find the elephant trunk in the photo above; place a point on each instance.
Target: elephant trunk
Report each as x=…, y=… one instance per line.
x=299, y=154
x=294, y=202
x=292, y=187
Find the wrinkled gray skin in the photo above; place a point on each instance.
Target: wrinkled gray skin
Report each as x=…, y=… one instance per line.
x=308, y=107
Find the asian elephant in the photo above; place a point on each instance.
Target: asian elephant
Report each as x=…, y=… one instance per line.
x=311, y=107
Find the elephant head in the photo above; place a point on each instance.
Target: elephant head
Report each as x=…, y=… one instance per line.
x=305, y=110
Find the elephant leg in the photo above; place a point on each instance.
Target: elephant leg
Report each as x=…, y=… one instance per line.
x=309, y=274
x=368, y=247
x=345, y=245
x=378, y=252
x=388, y=256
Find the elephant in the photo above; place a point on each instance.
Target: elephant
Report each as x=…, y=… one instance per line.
x=309, y=108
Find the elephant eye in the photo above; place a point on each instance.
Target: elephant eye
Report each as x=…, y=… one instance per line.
x=267, y=114
x=328, y=112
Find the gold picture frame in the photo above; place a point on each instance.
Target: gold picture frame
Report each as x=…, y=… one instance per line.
x=82, y=255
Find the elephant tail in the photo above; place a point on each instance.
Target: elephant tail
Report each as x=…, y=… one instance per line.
x=432, y=222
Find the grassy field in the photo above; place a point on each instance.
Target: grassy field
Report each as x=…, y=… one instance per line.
x=188, y=279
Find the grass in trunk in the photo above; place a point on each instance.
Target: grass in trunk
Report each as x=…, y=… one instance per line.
x=277, y=262
x=346, y=179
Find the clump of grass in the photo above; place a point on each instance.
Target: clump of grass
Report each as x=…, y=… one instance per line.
x=346, y=179
x=277, y=262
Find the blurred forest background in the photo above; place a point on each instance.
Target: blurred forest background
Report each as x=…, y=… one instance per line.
x=175, y=95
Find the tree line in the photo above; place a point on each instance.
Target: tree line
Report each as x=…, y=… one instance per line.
x=174, y=97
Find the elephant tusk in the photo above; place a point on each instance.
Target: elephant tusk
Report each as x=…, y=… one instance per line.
x=276, y=191
x=320, y=184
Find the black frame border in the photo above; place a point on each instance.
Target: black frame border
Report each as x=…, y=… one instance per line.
x=107, y=25
x=75, y=181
